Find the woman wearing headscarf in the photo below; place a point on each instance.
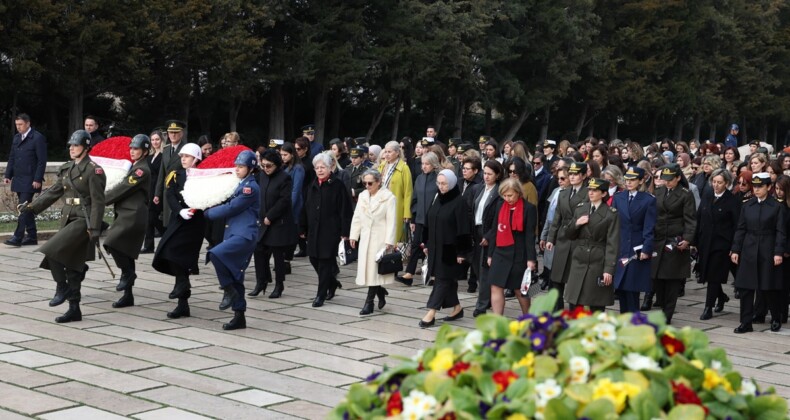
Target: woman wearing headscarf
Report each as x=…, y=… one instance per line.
x=396, y=177
x=446, y=241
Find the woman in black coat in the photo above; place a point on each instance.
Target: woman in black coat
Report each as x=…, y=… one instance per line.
x=278, y=231
x=154, y=210
x=302, y=147
x=447, y=239
x=758, y=249
x=179, y=249
x=717, y=217
x=325, y=221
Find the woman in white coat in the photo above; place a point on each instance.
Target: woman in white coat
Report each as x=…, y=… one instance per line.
x=372, y=230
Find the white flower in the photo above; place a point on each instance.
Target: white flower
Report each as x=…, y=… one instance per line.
x=636, y=361
x=605, y=317
x=580, y=369
x=589, y=344
x=418, y=405
x=472, y=341
x=540, y=408
x=748, y=387
x=605, y=331
x=417, y=357
x=715, y=365
x=548, y=390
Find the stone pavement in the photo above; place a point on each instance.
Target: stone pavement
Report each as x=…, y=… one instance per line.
x=293, y=361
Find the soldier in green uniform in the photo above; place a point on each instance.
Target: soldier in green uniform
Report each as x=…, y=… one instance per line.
x=355, y=171
x=595, y=232
x=171, y=163
x=127, y=232
x=453, y=156
x=81, y=185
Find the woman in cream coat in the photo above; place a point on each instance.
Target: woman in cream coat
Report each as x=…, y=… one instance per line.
x=373, y=229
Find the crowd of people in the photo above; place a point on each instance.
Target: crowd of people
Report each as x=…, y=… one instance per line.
x=613, y=221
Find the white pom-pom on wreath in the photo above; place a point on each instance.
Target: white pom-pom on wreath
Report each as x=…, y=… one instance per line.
x=209, y=187
x=115, y=170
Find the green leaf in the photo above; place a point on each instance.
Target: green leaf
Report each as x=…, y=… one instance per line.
x=570, y=348
x=520, y=388
x=487, y=389
x=636, y=337
x=465, y=400
x=686, y=412
x=544, y=303
x=515, y=348
x=721, y=395
x=660, y=389
x=545, y=367
x=724, y=411
x=644, y=406
x=693, y=339
x=600, y=409
x=438, y=384
x=495, y=326
x=708, y=355
x=557, y=410
x=582, y=393
x=768, y=407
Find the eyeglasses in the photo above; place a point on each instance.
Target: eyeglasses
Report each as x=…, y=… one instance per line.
x=562, y=178
x=267, y=165
x=299, y=148
x=368, y=183
x=537, y=163
x=743, y=183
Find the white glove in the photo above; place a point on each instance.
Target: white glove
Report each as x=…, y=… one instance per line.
x=185, y=214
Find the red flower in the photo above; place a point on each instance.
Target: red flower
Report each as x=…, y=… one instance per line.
x=686, y=395
x=395, y=404
x=420, y=368
x=458, y=368
x=222, y=158
x=672, y=345
x=503, y=379
x=578, y=312
x=448, y=416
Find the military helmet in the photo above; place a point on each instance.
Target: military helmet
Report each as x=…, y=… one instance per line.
x=246, y=158
x=140, y=141
x=80, y=138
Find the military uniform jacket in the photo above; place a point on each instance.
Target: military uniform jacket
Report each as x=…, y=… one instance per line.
x=170, y=162
x=759, y=237
x=131, y=210
x=676, y=220
x=85, y=181
x=558, y=236
x=637, y=227
x=355, y=175
x=595, y=246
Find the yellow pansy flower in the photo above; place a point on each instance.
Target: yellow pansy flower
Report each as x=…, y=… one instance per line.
x=443, y=360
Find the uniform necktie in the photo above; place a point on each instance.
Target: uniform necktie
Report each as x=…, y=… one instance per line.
x=573, y=192
x=592, y=210
x=630, y=199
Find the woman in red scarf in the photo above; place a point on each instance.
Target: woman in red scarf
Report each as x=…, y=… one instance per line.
x=513, y=248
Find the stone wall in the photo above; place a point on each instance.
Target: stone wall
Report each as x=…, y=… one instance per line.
x=8, y=199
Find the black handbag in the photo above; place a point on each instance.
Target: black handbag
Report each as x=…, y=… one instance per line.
x=345, y=254
x=391, y=263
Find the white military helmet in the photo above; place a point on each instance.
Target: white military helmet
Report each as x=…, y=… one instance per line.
x=191, y=149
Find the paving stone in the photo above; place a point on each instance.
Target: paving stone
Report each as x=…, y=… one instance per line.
x=257, y=397
x=328, y=362
x=29, y=402
x=234, y=341
x=5, y=348
x=208, y=404
x=352, y=331
x=15, y=337
x=161, y=356
x=326, y=348
x=9, y=415
x=321, y=376
x=303, y=409
x=188, y=380
x=93, y=356
x=25, y=377
x=53, y=331
x=31, y=359
x=81, y=413
x=169, y=413
x=150, y=338
x=101, y=377
x=227, y=356
x=137, y=322
x=113, y=402
x=386, y=349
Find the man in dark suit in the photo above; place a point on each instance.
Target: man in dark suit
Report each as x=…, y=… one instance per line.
x=170, y=162
x=27, y=162
x=92, y=127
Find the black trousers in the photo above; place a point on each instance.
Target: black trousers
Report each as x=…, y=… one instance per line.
x=26, y=220
x=668, y=291
x=444, y=294
x=123, y=261
x=474, y=275
x=416, y=251
x=154, y=224
x=64, y=276
x=262, y=268
x=629, y=301
x=560, y=305
x=749, y=309
x=325, y=268
x=713, y=292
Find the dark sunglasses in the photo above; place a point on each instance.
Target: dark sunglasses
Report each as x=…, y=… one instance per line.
x=368, y=183
x=562, y=178
x=299, y=148
x=537, y=163
x=267, y=165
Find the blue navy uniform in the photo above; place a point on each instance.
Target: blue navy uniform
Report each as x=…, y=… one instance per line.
x=637, y=223
x=232, y=256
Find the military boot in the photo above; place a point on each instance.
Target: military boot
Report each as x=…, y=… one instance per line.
x=181, y=310
x=127, y=279
x=61, y=293
x=71, y=315
x=229, y=297
x=126, y=300
x=238, y=322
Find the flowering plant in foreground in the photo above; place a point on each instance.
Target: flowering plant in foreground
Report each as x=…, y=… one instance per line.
x=563, y=366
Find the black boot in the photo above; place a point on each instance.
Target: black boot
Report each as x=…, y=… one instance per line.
x=647, y=303
x=682, y=289
x=720, y=304
x=71, y=315
x=228, y=297
x=367, y=308
x=126, y=300
x=127, y=279
x=260, y=287
x=61, y=293
x=545, y=280
x=182, y=310
x=238, y=321
x=181, y=287
x=278, y=290
x=381, y=292
x=707, y=313
x=330, y=293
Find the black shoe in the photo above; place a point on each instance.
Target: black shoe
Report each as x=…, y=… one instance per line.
x=720, y=303
x=287, y=267
x=477, y=312
x=430, y=282
x=147, y=250
x=179, y=290
x=29, y=241
x=72, y=315
x=125, y=282
x=544, y=284
x=459, y=315
x=647, y=303
x=318, y=302
x=707, y=313
x=682, y=290
x=260, y=287
x=424, y=324
x=125, y=301
x=776, y=325
x=367, y=308
x=13, y=242
x=228, y=298
x=743, y=328
x=238, y=322
x=758, y=319
x=509, y=293
x=403, y=280
x=330, y=293
x=182, y=310
x=278, y=290
x=61, y=293
x=472, y=288
x=300, y=254
x=737, y=293
x=381, y=293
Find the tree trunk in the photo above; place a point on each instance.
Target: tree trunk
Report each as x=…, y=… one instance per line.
x=488, y=120
x=654, y=128
x=405, y=120
x=76, y=99
x=377, y=119
x=233, y=113
x=544, y=126
x=764, y=129
x=276, y=112
x=744, y=133
x=460, y=108
x=289, y=98
x=396, y=118
x=582, y=120
x=522, y=116
x=334, y=114
x=711, y=133
x=321, y=100
x=591, y=128
x=678, y=136
x=697, y=126
x=438, y=118
x=613, y=125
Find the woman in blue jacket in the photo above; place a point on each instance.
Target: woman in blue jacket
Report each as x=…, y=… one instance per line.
x=232, y=256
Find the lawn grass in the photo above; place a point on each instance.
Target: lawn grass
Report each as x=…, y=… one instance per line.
x=41, y=225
